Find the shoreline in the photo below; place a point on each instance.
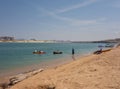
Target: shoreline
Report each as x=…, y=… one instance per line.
x=90, y=72
x=44, y=65
x=47, y=66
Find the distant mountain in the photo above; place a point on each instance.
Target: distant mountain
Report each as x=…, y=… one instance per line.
x=116, y=40
x=6, y=38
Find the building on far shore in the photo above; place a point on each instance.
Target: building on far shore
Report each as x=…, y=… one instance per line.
x=6, y=38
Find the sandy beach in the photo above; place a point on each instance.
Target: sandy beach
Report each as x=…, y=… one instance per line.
x=91, y=72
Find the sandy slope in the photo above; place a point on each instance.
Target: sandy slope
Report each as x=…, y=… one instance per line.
x=92, y=72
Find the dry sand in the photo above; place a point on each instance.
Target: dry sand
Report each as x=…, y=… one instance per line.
x=91, y=72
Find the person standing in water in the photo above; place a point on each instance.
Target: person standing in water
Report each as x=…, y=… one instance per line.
x=73, y=52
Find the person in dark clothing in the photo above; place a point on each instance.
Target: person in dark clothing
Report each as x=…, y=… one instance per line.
x=73, y=51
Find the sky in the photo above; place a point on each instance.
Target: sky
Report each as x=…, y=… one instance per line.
x=75, y=20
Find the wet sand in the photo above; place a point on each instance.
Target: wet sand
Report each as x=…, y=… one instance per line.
x=4, y=77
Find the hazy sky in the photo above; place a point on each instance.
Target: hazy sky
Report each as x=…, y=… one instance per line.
x=60, y=19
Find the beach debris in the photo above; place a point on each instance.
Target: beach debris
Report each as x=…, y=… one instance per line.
x=97, y=52
x=46, y=87
x=4, y=85
x=20, y=77
x=17, y=78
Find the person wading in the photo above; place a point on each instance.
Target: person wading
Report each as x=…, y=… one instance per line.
x=73, y=52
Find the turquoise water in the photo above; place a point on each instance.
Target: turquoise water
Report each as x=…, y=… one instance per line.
x=16, y=55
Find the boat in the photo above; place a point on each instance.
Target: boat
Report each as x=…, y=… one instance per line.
x=109, y=45
x=101, y=51
x=57, y=52
x=39, y=52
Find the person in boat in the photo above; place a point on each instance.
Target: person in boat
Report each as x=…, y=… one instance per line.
x=39, y=52
x=35, y=51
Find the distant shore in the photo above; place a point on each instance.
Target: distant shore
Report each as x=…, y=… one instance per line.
x=34, y=41
x=117, y=40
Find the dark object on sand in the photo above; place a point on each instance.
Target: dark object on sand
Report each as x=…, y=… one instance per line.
x=20, y=77
x=101, y=51
x=97, y=52
x=4, y=85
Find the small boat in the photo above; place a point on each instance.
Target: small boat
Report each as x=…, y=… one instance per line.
x=109, y=45
x=57, y=52
x=39, y=52
x=101, y=51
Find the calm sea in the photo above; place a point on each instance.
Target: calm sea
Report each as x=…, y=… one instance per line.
x=18, y=55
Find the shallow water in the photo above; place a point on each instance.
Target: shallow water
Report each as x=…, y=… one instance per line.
x=19, y=55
